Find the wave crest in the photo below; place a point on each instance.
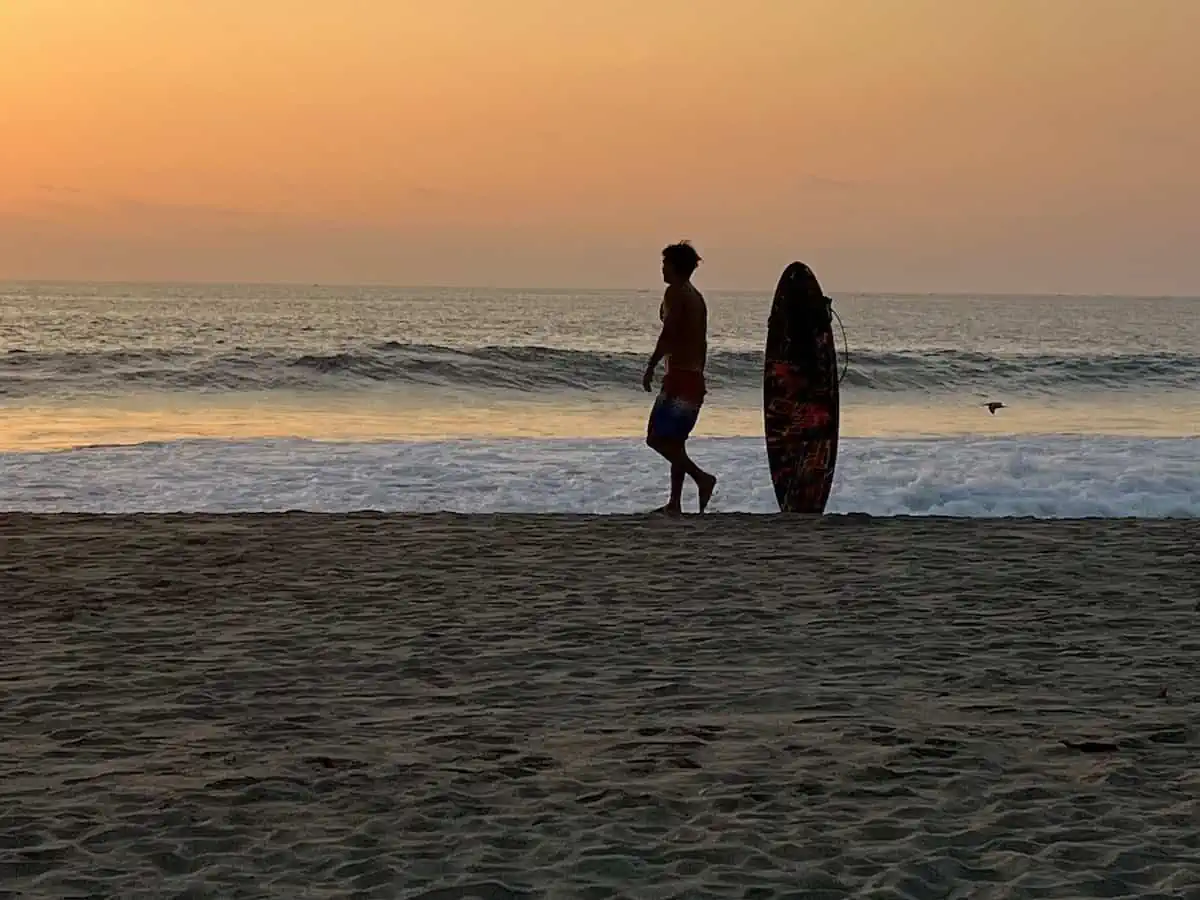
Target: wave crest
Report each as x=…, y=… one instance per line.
x=539, y=369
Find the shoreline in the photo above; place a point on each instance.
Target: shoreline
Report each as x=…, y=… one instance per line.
x=1064, y=478
x=412, y=518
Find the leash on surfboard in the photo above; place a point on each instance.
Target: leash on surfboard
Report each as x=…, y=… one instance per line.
x=845, y=345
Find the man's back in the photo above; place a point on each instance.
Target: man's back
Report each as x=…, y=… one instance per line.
x=689, y=347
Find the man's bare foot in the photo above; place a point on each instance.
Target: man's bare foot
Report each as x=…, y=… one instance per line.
x=706, y=486
x=667, y=510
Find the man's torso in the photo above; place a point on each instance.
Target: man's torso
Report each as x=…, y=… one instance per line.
x=689, y=349
x=688, y=352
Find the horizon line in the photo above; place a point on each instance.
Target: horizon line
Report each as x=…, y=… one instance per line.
x=567, y=289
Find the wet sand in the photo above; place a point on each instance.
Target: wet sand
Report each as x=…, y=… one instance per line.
x=736, y=706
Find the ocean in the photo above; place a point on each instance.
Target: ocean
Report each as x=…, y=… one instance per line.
x=174, y=397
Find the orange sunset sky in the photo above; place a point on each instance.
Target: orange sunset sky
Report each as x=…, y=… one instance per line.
x=906, y=145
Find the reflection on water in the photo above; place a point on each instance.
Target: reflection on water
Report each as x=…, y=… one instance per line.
x=434, y=415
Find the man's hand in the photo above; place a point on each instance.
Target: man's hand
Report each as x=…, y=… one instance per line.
x=648, y=378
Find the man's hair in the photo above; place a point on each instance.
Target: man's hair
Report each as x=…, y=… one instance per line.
x=682, y=257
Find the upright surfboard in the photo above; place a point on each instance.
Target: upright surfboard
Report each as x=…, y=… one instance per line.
x=800, y=393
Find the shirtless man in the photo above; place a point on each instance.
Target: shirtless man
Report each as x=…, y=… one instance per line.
x=683, y=342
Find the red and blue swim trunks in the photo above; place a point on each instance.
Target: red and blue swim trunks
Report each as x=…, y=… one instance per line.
x=677, y=407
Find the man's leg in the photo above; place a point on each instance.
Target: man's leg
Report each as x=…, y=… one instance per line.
x=674, y=451
x=667, y=432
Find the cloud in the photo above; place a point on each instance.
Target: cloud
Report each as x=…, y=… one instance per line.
x=76, y=202
x=159, y=209
x=425, y=192
x=826, y=181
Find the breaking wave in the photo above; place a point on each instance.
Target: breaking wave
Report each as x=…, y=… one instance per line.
x=545, y=369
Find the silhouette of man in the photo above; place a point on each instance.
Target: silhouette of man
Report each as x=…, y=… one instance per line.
x=683, y=343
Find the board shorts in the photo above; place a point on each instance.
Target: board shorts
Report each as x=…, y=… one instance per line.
x=677, y=407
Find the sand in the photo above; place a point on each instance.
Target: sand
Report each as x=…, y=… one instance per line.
x=440, y=706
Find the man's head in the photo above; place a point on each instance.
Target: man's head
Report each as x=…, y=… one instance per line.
x=679, y=262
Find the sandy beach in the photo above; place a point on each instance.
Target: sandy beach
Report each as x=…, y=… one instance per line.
x=449, y=706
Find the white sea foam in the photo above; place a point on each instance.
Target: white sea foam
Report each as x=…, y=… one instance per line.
x=1044, y=477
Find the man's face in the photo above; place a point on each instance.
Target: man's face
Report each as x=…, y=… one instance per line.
x=668, y=273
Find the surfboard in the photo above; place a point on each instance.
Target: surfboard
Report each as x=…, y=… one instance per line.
x=801, y=405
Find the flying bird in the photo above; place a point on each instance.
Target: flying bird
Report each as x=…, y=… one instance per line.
x=993, y=406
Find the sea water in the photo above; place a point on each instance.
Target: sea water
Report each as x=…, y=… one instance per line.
x=126, y=397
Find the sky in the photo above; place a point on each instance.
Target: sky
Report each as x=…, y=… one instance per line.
x=894, y=145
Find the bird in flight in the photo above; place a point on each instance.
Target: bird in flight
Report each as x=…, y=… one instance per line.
x=993, y=406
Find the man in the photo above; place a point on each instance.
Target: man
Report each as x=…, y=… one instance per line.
x=683, y=342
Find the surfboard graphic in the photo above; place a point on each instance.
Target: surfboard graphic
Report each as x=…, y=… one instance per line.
x=800, y=393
